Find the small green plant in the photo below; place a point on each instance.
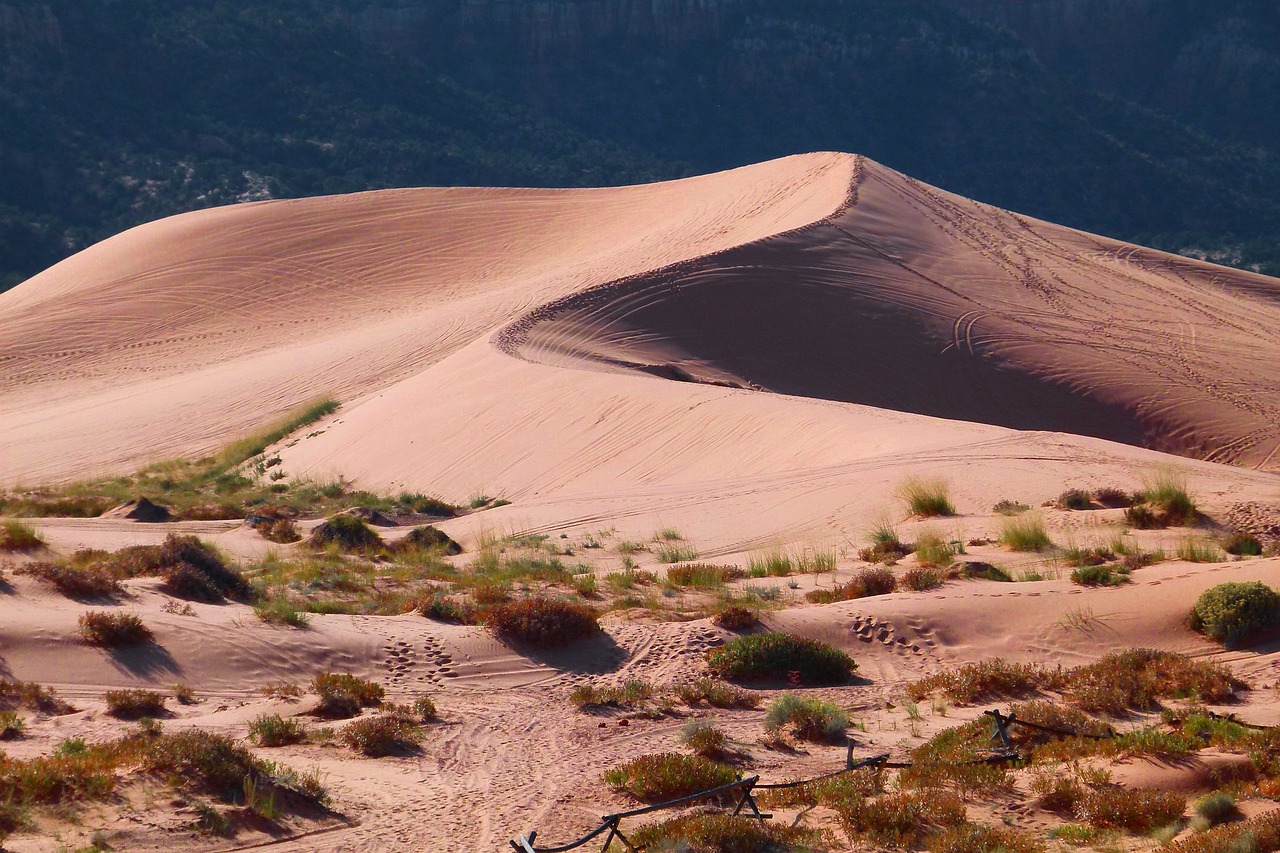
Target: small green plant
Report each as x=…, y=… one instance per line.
x=11, y=725
x=1215, y=808
x=275, y=730
x=425, y=709
x=349, y=532
x=1194, y=550
x=1024, y=533
x=542, y=621
x=810, y=719
x=133, y=704
x=702, y=575
x=933, y=550
x=1075, y=499
x=1242, y=545
x=1100, y=576
x=675, y=552
x=668, y=775
x=927, y=496
x=1164, y=502
x=777, y=655
x=774, y=564
x=19, y=536
x=1230, y=612
x=184, y=694
x=629, y=694
x=112, y=630
x=1007, y=507
x=281, y=611
x=986, y=679
x=704, y=739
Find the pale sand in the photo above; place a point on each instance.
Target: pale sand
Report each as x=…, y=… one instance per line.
x=524, y=344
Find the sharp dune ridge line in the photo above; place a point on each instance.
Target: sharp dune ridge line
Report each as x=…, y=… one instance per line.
x=757, y=358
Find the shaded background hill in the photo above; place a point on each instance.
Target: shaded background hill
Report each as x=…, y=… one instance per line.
x=1150, y=121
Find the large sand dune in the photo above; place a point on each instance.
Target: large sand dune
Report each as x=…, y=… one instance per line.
x=757, y=358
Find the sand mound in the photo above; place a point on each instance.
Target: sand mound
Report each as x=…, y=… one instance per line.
x=139, y=510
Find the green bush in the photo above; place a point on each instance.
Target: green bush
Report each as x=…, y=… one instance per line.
x=19, y=536
x=736, y=618
x=1100, y=575
x=1024, y=533
x=348, y=531
x=775, y=654
x=11, y=725
x=85, y=581
x=704, y=739
x=927, y=496
x=383, y=734
x=1076, y=499
x=1242, y=545
x=542, y=621
x=868, y=582
x=668, y=776
x=275, y=730
x=810, y=719
x=133, y=704
x=1230, y=612
x=343, y=695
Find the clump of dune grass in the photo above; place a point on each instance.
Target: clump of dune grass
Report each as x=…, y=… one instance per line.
x=667, y=776
x=11, y=725
x=1112, y=497
x=1242, y=545
x=717, y=694
x=1231, y=612
x=1164, y=502
x=1194, y=550
x=703, y=575
x=76, y=579
x=777, y=655
x=28, y=694
x=927, y=496
x=348, y=532
x=922, y=578
x=1260, y=834
x=933, y=549
x=704, y=739
x=19, y=536
x=900, y=819
x=1100, y=575
x=382, y=734
x=275, y=730
x=1215, y=808
x=816, y=561
x=868, y=582
x=885, y=546
x=112, y=630
x=191, y=568
x=775, y=564
x=281, y=611
x=1137, y=678
x=629, y=694
x=703, y=833
x=675, y=552
x=1008, y=507
x=1137, y=810
x=344, y=695
x=1074, y=499
x=807, y=718
x=1024, y=533
x=132, y=704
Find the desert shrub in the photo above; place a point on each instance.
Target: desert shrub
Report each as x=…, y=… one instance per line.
x=1093, y=556
x=1100, y=575
x=868, y=582
x=281, y=611
x=1242, y=545
x=899, y=819
x=703, y=575
x=724, y=833
x=1137, y=678
x=425, y=709
x=343, y=695
x=382, y=734
x=1076, y=499
x=736, y=618
x=110, y=630
x=629, y=694
x=1112, y=497
x=704, y=739
x=956, y=757
x=980, y=838
x=1138, y=810
x=542, y=621
x=349, y=532
x=1024, y=533
x=988, y=679
x=275, y=730
x=190, y=568
x=11, y=725
x=132, y=704
x=281, y=530
x=921, y=578
x=1259, y=834
x=927, y=496
x=1008, y=507
x=82, y=582
x=427, y=538
x=667, y=776
x=426, y=505
x=932, y=549
x=1215, y=808
x=195, y=758
x=1230, y=612
x=715, y=693
x=984, y=571
x=810, y=719
x=774, y=654
x=28, y=694
x=19, y=536
x=1141, y=559
x=444, y=609
x=1057, y=792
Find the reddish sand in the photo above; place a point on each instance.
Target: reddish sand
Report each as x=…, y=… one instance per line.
x=757, y=358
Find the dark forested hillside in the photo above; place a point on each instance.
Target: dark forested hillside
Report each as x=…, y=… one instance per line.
x=1141, y=119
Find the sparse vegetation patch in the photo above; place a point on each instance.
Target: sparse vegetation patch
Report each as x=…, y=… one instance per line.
x=777, y=655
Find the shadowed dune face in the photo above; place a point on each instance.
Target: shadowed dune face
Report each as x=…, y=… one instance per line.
x=915, y=300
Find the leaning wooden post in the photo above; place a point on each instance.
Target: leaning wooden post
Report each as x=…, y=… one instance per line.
x=1000, y=725
x=524, y=843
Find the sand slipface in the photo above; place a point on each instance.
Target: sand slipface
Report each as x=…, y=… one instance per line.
x=757, y=358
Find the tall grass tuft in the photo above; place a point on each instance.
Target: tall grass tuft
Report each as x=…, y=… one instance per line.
x=19, y=536
x=1024, y=533
x=810, y=719
x=927, y=496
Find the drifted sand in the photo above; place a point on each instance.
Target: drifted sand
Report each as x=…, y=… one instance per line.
x=757, y=358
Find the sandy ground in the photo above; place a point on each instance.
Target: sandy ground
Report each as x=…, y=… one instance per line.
x=757, y=358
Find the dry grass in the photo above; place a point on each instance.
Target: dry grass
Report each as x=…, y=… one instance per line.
x=723, y=833
x=901, y=819
x=383, y=734
x=133, y=704
x=542, y=621
x=980, y=838
x=715, y=693
x=34, y=697
x=629, y=694
x=994, y=678
x=667, y=776
x=933, y=550
x=275, y=730
x=343, y=695
x=1260, y=834
x=1137, y=810
x=1138, y=678
x=736, y=618
x=111, y=630
x=91, y=581
x=922, y=578
x=1025, y=533
x=866, y=583
x=704, y=739
x=808, y=718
